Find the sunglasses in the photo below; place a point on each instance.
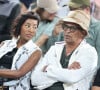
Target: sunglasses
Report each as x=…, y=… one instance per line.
x=72, y=28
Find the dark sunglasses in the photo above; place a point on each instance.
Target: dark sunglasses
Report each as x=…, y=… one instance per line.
x=72, y=28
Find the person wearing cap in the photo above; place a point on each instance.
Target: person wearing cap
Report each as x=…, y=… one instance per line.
x=46, y=9
x=57, y=61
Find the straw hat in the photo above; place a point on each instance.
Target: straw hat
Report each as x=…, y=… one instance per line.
x=79, y=17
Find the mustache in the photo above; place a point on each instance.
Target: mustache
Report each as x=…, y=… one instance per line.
x=67, y=35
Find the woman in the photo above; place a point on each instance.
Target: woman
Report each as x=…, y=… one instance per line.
x=56, y=68
x=19, y=55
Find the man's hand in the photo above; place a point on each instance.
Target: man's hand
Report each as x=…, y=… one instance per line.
x=75, y=65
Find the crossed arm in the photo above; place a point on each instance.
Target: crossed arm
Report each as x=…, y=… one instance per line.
x=75, y=65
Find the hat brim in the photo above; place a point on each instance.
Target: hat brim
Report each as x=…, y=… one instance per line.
x=74, y=21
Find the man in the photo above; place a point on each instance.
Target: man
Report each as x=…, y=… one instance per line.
x=56, y=63
x=46, y=10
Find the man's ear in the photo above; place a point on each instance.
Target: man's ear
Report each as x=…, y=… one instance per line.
x=84, y=32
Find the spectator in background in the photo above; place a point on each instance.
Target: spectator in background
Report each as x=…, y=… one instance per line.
x=47, y=10
x=19, y=55
x=52, y=39
x=8, y=12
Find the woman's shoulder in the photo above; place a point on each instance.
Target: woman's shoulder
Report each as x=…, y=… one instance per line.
x=7, y=41
x=31, y=45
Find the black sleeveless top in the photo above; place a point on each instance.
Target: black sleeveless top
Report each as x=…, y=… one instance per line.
x=6, y=63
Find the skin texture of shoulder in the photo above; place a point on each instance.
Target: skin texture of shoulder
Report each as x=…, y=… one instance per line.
x=26, y=67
